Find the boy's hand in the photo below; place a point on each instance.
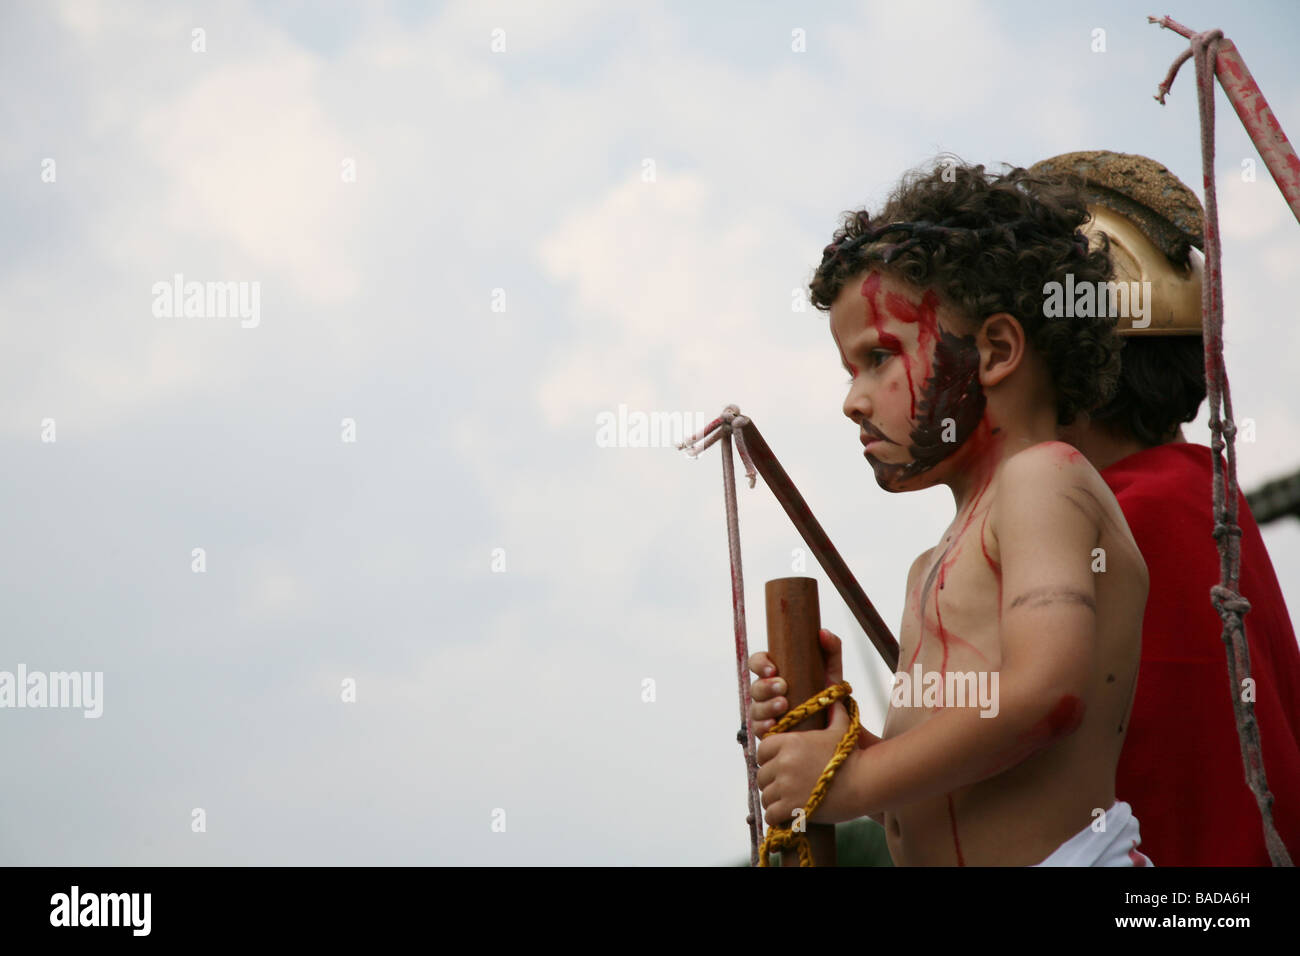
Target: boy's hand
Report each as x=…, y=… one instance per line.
x=767, y=703
x=790, y=765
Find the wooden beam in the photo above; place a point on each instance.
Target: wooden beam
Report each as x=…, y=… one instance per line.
x=793, y=623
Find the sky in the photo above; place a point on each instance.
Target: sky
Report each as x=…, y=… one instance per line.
x=362, y=582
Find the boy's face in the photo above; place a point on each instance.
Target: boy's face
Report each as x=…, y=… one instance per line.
x=915, y=391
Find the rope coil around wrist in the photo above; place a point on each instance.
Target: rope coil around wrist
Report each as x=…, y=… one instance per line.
x=781, y=836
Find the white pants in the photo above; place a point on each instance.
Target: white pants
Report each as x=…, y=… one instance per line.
x=1116, y=845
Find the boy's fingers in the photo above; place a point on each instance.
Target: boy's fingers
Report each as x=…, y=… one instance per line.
x=766, y=689
x=839, y=721
x=832, y=654
x=767, y=710
x=762, y=665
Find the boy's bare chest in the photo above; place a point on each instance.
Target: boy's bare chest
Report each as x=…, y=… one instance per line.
x=952, y=614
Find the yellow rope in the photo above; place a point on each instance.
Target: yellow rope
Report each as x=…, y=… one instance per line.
x=781, y=836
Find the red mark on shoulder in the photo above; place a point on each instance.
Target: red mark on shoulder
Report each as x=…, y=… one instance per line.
x=1070, y=453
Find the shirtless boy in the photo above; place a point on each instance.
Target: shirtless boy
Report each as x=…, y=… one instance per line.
x=958, y=378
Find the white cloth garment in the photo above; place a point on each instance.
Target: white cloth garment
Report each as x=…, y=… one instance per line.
x=1116, y=845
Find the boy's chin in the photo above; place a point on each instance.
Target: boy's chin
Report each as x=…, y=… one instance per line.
x=901, y=476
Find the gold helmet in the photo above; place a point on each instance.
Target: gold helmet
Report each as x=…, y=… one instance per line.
x=1153, y=221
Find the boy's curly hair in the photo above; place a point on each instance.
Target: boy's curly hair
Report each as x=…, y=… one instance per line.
x=989, y=243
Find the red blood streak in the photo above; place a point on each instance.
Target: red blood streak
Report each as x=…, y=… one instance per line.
x=870, y=286
x=939, y=576
x=892, y=343
x=1065, y=717
x=985, y=443
x=901, y=307
x=1066, y=452
x=938, y=618
x=1138, y=859
x=924, y=315
x=956, y=843
x=993, y=565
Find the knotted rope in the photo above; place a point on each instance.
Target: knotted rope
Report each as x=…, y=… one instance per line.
x=1227, y=601
x=730, y=423
x=782, y=836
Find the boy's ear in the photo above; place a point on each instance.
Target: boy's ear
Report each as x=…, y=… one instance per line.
x=1002, y=343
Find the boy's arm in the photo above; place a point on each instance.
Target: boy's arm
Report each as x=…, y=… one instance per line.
x=1047, y=524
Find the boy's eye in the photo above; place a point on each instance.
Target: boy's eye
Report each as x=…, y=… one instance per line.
x=875, y=359
x=878, y=357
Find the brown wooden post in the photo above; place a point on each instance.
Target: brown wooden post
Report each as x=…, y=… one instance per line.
x=793, y=620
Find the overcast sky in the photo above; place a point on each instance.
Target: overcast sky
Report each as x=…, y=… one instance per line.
x=472, y=254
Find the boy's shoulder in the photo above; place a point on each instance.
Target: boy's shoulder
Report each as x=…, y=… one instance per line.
x=921, y=562
x=1047, y=461
x=1047, y=464
x=1052, y=472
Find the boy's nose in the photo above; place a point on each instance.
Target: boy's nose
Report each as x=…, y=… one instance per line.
x=856, y=404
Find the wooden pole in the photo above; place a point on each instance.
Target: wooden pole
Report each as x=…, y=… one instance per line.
x=793, y=621
x=815, y=537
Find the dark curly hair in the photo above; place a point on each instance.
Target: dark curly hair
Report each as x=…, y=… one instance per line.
x=1161, y=386
x=989, y=243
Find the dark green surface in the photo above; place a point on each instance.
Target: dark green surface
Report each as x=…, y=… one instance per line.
x=859, y=842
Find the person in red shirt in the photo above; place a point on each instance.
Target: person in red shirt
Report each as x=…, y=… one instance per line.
x=1181, y=769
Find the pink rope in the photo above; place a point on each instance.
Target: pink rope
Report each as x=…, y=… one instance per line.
x=723, y=428
x=1228, y=602
x=731, y=424
x=1252, y=109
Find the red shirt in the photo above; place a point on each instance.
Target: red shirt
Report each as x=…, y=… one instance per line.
x=1181, y=768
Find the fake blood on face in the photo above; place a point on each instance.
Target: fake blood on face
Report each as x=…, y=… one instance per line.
x=923, y=315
